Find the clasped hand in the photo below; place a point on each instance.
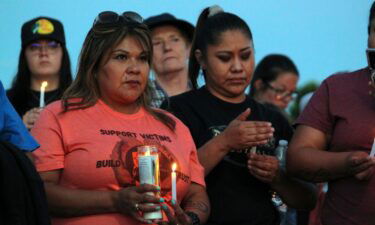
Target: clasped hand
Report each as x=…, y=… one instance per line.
x=134, y=201
x=264, y=167
x=30, y=117
x=360, y=165
x=242, y=134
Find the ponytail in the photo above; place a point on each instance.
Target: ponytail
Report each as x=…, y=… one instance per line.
x=194, y=65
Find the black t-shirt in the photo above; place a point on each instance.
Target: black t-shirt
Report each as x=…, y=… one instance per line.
x=236, y=196
x=32, y=100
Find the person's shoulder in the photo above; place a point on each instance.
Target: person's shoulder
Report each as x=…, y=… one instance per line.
x=179, y=123
x=192, y=97
x=164, y=112
x=346, y=76
x=55, y=107
x=185, y=96
x=184, y=100
x=268, y=111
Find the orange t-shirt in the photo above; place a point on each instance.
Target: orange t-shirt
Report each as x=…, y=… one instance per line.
x=96, y=148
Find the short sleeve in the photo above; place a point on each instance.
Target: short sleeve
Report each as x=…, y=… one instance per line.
x=196, y=169
x=317, y=113
x=47, y=131
x=12, y=129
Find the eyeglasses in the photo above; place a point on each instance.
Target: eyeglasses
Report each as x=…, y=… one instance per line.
x=49, y=46
x=282, y=93
x=107, y=17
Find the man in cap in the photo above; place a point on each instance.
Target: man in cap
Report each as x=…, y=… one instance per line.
x=171, y=38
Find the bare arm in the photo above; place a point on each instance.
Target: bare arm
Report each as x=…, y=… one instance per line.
x=196, y=200
x=308, y=158
x=295, y=193
x=211, y=153
x=67, y=202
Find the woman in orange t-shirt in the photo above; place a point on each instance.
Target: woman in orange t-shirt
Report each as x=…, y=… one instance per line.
x=88, y=140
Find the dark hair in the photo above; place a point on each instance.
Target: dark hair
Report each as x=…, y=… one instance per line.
x=184, y=35
x=371, y=17
x=20, y=90
x=270, y=67
x=102, y=37
x=208, y=32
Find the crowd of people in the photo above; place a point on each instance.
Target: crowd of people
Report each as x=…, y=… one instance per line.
x=79, y=138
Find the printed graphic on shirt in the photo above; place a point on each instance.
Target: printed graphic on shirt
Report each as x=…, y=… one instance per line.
x=152, y=137
x=239, y=157
x=125, y=162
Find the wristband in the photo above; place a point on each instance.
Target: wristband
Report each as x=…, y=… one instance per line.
x=194, y=218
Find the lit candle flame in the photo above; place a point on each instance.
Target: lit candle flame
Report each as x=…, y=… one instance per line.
x=44, y=84
x=174, y=167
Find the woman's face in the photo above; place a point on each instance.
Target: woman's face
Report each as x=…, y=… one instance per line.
x=229, y=66
x=123, y=75
x=44, y=58
x=280, y=91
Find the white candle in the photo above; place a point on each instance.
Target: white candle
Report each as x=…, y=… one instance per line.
x=148, y=164
x=41, y=97
x=372, y=153
x=174, y=189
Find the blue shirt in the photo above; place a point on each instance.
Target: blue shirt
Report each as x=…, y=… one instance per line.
x=12, y=129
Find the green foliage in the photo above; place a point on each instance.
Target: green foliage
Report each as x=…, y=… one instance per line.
x=308, y=87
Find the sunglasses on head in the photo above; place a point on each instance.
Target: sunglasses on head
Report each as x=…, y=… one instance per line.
x=107, y=17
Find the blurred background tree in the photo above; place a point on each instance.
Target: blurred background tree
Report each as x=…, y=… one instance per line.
x=302, y=90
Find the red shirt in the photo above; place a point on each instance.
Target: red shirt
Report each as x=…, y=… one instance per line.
x=343, y=109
